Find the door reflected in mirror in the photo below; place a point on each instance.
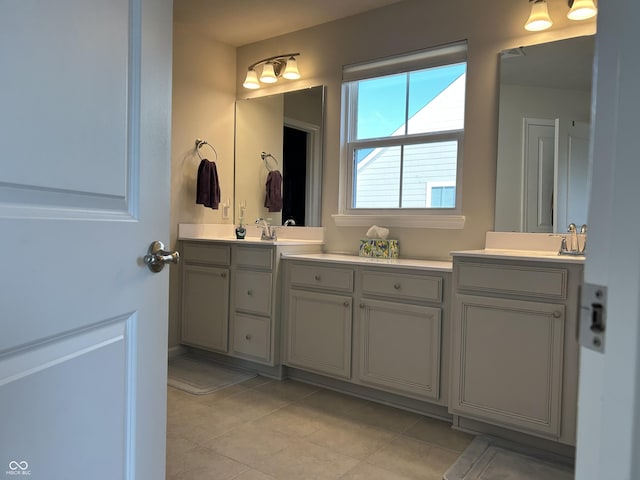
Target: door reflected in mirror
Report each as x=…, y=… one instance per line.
x=287, y=127
x=543, y=136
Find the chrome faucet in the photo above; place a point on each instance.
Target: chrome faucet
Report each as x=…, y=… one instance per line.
x=268, y=232
x=574, y=248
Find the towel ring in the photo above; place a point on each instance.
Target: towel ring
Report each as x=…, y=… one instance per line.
x=200, y=143
x=265, y=157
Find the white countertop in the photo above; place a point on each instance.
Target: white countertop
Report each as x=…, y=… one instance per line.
x=535, y=247
x=443, y=266
x=530, y=255
x=226, y=233
x=252, y=241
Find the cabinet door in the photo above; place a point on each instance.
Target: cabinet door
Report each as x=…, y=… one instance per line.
x=319, y=332
x=205, y=307
x=400, y=347
x=507, y=362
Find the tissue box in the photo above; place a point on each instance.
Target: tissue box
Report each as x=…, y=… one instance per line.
x=379, y=248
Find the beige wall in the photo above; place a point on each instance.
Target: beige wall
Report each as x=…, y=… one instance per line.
x=410, y=25
x=203, y=107
x=204, y=94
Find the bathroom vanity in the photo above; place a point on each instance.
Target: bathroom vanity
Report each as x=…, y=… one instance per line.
x=371, y=322
x=487, y=340
x=230, y=296
x=514, y=360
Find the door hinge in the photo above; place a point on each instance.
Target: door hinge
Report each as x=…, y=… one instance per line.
x=593, y=316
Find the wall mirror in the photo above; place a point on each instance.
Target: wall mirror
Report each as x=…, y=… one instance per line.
x=543, y=136
x=287, y=130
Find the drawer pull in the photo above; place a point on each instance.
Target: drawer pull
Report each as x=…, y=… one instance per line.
x=396, y=286
x=247, y=336
x=557, y=314
x=223, y=275
x=317, y=278
x=362, y=305
x=249, y=292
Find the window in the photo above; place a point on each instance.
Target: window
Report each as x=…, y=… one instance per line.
x=404, y=123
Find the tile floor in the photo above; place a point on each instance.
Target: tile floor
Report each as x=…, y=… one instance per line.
x=264, y=429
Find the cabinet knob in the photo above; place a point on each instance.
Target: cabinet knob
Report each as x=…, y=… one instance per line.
x=346, y=304
x=249, y=292
x=317, y=278
x=248, y=336
x=223, y=274
x=396, y=286
x=557, y=314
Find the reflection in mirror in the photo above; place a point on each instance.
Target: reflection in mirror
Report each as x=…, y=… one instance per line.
x=287, y=127
x=543, y=136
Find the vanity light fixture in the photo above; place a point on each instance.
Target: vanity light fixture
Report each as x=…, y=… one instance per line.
x=539, y=18
x=284, y=66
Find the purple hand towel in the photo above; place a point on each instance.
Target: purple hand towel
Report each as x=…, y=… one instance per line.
x=208, y=187
x=273, y=197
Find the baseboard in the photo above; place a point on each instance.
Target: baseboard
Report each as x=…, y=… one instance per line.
x=372, y=394
x=176, y=351
x=239, y=363
x=477, y=427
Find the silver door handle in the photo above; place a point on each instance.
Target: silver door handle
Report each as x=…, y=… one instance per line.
x=157, y=257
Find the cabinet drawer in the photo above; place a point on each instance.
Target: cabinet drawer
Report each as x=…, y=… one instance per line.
x=253, y=292
x=251, y=336
x=322, y=277
x=206, y=253
x=254, y=257
x=412, y=287
x=513, y=279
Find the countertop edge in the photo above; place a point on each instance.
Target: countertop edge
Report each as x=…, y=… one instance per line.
x=527, y=255
x=404, y=263
x=252, y=241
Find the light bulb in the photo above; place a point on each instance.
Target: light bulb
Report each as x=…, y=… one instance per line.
x=268, y=75
x=251, y=80
x=291, y=70
x=539, y=18
x=582, y=9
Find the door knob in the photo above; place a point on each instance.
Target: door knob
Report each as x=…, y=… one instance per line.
x=157, y=257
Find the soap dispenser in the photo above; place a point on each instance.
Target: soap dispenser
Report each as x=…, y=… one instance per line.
x=240, y=230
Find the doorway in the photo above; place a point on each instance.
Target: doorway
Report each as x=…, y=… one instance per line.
x=294, y=174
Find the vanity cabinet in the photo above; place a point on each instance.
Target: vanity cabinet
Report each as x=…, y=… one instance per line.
x=399, y=335
x=205, y=296
x=319, y=319
x=378, y=326
x=230, y=298
x=514, y=351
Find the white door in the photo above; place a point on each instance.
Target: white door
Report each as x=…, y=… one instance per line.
x=573, y=174
x=539, y=158
x=85, y=88
x=609, y=399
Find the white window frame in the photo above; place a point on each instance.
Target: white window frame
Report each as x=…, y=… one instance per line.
x=396, y=217
x=431, y=185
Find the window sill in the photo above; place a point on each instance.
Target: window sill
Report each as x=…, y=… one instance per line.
x=450, y=222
